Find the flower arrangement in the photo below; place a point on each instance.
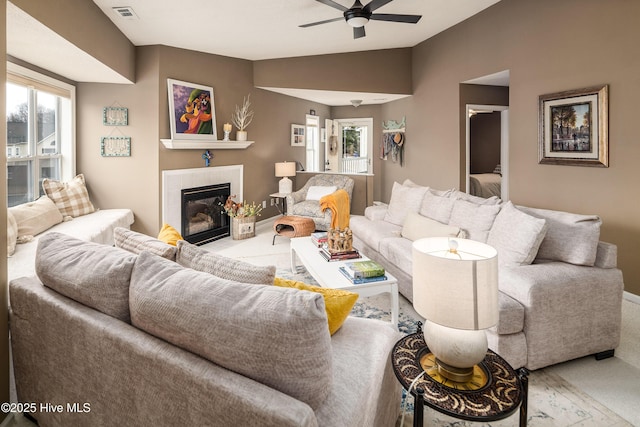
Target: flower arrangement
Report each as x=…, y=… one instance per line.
x=243, y=116
x=241, y=210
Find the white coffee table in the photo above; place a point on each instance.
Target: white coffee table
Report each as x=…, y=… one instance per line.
x=328, y=275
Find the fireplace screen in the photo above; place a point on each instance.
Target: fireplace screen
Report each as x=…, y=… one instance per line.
x=203, y=215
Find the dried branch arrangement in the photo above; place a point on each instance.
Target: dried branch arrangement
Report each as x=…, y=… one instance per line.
x=243, y=116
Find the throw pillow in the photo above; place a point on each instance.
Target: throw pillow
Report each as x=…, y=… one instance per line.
x=192, y=256
x=570, y=238
x=275, y=336
x=493, y=200
x=404, y=199
x=71, y=198
x=169, y=235
x=33, y=218
x=476, y=220
x=12, y=233
x=516, y=236
x=436, y=207
x=93, y=274
x=317, y=192
x=417, y=227
x=135, y=242
x=337, y=303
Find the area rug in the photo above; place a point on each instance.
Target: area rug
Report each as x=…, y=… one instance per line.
x=553, y=402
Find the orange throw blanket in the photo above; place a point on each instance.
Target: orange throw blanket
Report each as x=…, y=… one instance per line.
x=338, y=203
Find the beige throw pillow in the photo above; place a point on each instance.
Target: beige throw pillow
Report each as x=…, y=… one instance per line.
x=135, y=242
x=516, y=236
x=476, y=220
x=71, y=198
x=403, y=200
x=12, y=233
x=192, y=256
x=317, y=192
x=417, y=227
x=33, y=218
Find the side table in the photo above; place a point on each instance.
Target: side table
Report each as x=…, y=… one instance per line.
x=504, y=392
x=281, y=203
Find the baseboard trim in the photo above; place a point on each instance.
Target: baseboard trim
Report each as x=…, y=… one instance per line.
x=626, y=295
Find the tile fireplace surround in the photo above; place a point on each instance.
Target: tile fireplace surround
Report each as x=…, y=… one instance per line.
x=173, y=181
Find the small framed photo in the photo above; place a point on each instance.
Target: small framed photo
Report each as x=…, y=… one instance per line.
x=573, y=127
x=192, y=113
x=115, y=146
x=297, y=136
x=115, y=116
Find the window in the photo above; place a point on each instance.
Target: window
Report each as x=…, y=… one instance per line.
x=40, y=123
x=356, y=141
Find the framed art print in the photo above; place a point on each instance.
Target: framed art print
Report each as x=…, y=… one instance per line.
x=115, y=116
x=115, y=146
x=191, y=111
x=297, y=136
x=573, y=127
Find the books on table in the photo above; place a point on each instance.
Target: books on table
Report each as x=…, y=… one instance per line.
x=364, y=269
x=338, y=256
x=358, y=281
x=319, y=238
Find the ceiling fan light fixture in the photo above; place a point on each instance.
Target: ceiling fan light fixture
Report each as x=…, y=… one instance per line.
x=357, y=21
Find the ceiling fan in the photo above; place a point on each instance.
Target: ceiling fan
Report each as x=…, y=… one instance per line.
x=358, y=15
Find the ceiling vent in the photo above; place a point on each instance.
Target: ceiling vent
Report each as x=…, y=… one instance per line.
x=125, y=12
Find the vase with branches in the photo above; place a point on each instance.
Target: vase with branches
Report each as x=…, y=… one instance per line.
x=242, y=117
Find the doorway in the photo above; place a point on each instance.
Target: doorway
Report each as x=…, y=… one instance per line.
x=354, y=145
x=482, y=179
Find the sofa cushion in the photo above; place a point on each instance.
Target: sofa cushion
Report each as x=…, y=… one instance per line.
x=317, y=192
x=493, y=200
x=403, y=200
x=71, y=198
x=12, y=233
x=516, y=235
x=93, y=274
x=475, y=219
x=337, y=302
x=192, y=256
x=169, y=235
x=417, y=227
x=372, y=232
x=135, y=242
x=397, y=250
x=571, y=238
x=33, y=218
x=510, y=315
x=436, y=207
x=376, y=212
x=276, y=336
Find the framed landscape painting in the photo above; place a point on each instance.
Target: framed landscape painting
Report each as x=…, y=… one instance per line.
x=573, y=127
x=191, y=111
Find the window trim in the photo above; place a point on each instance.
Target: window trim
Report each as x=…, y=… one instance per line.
x=20, y=75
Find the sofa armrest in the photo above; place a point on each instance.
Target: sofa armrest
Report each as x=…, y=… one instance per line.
x=376, y=212
x=607, y=255
x=571, y=311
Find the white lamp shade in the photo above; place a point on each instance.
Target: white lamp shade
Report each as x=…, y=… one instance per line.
x=286, y=169
x=457, y=290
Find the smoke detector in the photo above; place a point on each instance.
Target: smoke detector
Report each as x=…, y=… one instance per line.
x=125, y=12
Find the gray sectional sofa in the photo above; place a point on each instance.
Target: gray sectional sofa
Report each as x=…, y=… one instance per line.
x=560, y=291
x=137, y=339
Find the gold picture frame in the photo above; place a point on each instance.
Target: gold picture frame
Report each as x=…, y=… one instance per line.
x=573, y=127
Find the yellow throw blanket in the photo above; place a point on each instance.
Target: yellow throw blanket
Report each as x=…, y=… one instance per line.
x=338, y=203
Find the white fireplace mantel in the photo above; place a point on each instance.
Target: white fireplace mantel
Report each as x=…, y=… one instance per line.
x=186, y=144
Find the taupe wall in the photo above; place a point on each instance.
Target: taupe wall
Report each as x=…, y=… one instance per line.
x=536, y=41
x=4, y=324
x=83, y=24
x=379, y=71
x=135, y=181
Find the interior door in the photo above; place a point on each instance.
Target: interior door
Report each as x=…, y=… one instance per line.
x=355, y=145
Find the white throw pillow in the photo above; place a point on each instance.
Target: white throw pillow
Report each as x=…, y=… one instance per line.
x=436, y=207
x=516, y=236
x=403, y=200
x=417, y=227
x=317, y=192
x=35, y=217
x=476, y=220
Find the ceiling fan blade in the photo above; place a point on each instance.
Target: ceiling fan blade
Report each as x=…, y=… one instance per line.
x=358, y=32
x=376, y=4
x=321, y=22
x=333, y=4
x=407, y=19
